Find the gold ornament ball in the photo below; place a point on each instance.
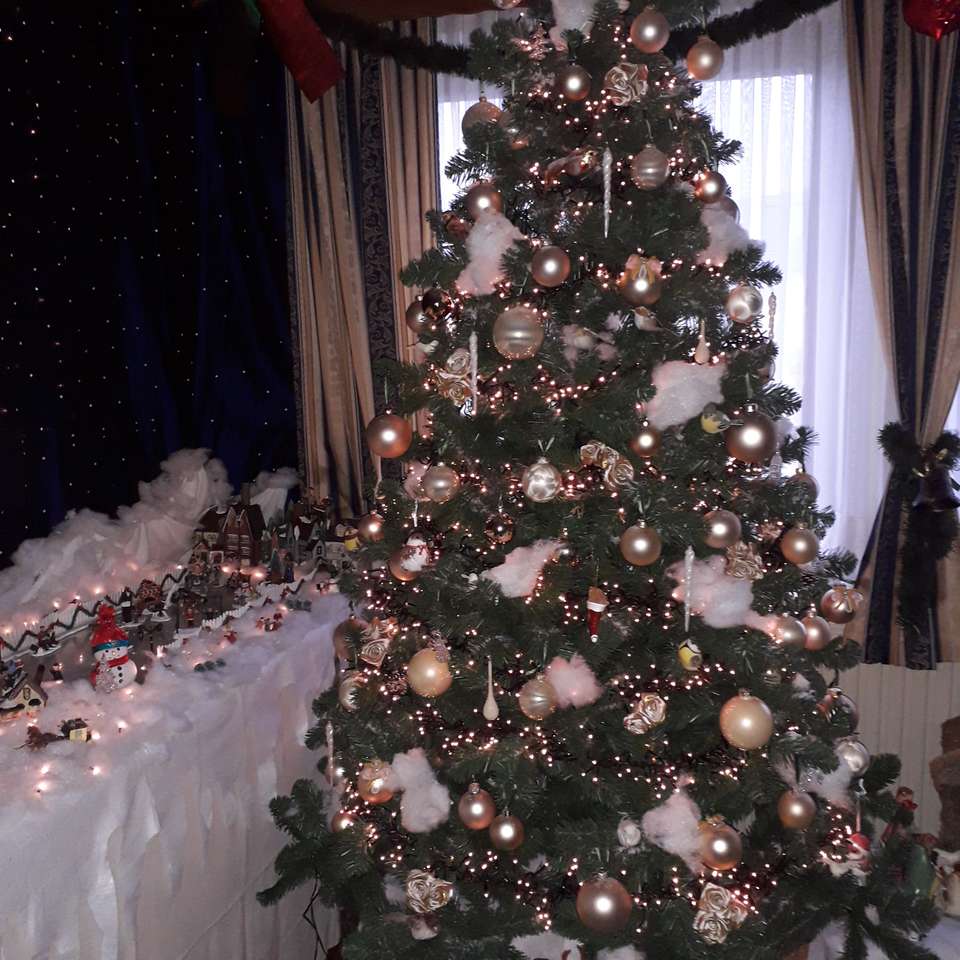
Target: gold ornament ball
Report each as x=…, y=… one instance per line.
x=649, y=168
x=744, y=302
x=746, y=722
x=796, y=809
x=428, y=675
x=574, y=83
x=396, y=567
x=854, y=754
x=389, y=435
x=506, y=832
x=370, y=528
x=640, y=287
x=347, y=691
x=649, y=31
x=476, y=808
x=483, y=111
x=537, y=698
x=709, y=186
x=436, y=304
x=722, y=529
x=373, y=782
x=440, y=483
x=721, y=847
x=518, y=333
x=499, y=529
x=753, y=439
x=415, y=319
x=836, y=705
x=640, y=545
x=457, y=227
x=704, y=59
x=807, y=482
x=541, y=481
x=800, y=545
x=840, y=604
x=482, y=197
x=818, y=631
x=518, y=140
x=729, y=207
x=646, y=441
x=604, y=905
x=790, y=632
x=550, y=266
x=343, y=820
x=345, y=633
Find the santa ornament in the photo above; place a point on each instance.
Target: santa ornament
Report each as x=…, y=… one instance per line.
x=596, y=604
x=111, y=647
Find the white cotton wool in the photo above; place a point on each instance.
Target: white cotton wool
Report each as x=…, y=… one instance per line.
x=545, y=946
x=674, y=826
x=683, y=390
x=721, y=601
x=621, y=953
x=726, y=235
x=425, y=803
x=575, y=683
x=570, y=15
x=517, y=575
x=492, y=235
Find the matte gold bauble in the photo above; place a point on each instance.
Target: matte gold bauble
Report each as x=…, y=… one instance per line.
x=641, y=286
x=574, y=83
x=800, y=545
x=499, y=529
x=482, y=197
x=790, y=633
x=640, y=545
x=840, y=604
x=550, y=266
x=483, y=111
x=649, y=168
x=373, y=782
x=649, y=31
x=440, y=483
x=753, y=439
x=807, y=481
x=722, y=529
x=646, y=441
x=854, y=754
x=396, y=567
x=744, y=302
x=709, y=186
x=518, y=333
x=704, y=59
x=343, y=820
x=818, y=631
x=370, y=528
x=537, y=698
x=604, y=905
x=415, y=319
x=746, y=722
x=720, y=845
x=427, y=674
x=345, y=634
x=541, y=481
x=729, y=207
x=796, y=809
x=436, y=304
x=389, y=435
x=347, y=691
x=506, y=832
x=476, y=808
x=518, y=139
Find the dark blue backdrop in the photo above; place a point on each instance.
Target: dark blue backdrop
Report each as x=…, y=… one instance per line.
x=146, y=238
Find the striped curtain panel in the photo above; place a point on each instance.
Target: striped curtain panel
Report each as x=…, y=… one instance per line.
x=905, y=93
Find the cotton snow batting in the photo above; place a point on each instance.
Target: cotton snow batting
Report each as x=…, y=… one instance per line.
x=720, y=600
x=683, y=390
x=425, y=803
x=517, y=575
x=674, y=826
x=726, y=235
x=491, y=237
x=570, y=15
x=574, y=681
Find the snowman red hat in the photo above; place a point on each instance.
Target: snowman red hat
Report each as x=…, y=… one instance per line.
x=110, y=646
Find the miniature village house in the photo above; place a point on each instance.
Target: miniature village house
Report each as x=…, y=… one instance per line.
x=232, y=532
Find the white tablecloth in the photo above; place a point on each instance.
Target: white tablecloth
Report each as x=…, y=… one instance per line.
x=151, y=842
x=943, y=941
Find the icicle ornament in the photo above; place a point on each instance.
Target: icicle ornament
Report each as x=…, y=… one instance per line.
x=607, y=189
x=490, y=709
x=475, y=406
x=688, y=558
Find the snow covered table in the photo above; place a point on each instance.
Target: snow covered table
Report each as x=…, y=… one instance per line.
x=943, y=941
x=150, y=842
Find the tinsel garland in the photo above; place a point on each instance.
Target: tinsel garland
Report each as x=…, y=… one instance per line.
x=763, y=18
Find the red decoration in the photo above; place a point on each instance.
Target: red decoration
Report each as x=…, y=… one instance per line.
x=302, y=47
x=935, y=18
x=596, y=604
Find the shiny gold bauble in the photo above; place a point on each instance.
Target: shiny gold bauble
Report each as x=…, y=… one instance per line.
x=796, y=809
x=753, y=439
x=646, y=441
x=704, y=59
x=482, y=197
x=440, y=483
x=722, y=529
x=518, y=333
x=640, y=287
x=744, y=302
x=790, y=632
x=347, y=691
x=506, y=832
x=436, y=304
x=415, y=319
x=537, y=698
x=840, y=604
x=343, y=820
x=709, y=186
x=373, y=782
x=854, y=754
x=800, y=545
x=746, y=722
x=574, y=83
x=640, y=545
x=396, y=567
x=457, y=227
x=550, y=266
x=483, y=111
x=428, y=675
x=345, y=634
x=541, y=481
x=649, y=31
x=476, y=808
x=720, y=845
x=836, y=705
x=499, y=529
x=818, y=631
x=370, y=528
x=806, y=481
x=518, y=139
x=389, y=435
x=604, y=905
x=649, y=168
x=729, y=207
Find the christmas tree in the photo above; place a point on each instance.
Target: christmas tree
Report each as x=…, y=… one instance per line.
x=582, y=693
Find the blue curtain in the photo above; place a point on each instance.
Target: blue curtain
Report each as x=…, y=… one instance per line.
x=149, y=306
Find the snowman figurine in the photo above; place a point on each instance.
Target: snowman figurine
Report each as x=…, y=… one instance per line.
x=111, y=647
